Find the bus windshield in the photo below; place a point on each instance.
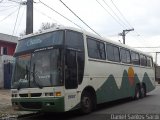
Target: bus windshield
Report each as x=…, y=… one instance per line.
x=39, y=69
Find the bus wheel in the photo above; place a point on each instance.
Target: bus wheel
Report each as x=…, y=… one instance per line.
x=86, y=103
x=137, y=93
x=143, y=91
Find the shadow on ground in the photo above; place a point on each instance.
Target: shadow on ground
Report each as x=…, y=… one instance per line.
x=76, y=115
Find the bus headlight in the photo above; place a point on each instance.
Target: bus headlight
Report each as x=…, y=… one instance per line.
x=57, y=93
x=53, y=94
x=14, y=95
x=49, y=94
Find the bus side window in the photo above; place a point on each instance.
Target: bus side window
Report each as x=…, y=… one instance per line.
x=112, y=53
x=135, y=58
x=74, y=40
x=125, y=56
x=149, y=62
x=143, y=60
x=96, y=49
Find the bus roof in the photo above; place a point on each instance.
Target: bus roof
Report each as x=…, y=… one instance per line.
x=59, y=27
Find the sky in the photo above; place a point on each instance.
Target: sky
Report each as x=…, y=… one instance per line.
x=142, y=15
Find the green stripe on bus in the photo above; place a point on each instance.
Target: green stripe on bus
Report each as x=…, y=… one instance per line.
x=49, y=104
x=109, y=91
x=149, y=85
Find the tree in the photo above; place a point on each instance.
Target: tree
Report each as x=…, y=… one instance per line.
x=46, y=26
x=22, y=33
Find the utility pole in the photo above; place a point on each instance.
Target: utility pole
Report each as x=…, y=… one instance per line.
x=29, y=18
x=123, y=34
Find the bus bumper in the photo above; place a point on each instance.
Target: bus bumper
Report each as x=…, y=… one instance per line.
x=55, y=104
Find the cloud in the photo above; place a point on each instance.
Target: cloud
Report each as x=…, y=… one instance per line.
x=143, y=15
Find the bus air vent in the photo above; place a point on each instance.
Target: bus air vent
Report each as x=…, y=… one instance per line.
x=31, y=105
x=30, y=95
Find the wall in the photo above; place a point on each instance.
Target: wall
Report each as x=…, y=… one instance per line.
x=10, y=47
x=3, y=59
x=1, y=73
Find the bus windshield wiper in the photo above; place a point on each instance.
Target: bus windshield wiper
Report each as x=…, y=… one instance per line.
x=25, y=77
x=19, y=85
x=27, y=73
x=34, y=77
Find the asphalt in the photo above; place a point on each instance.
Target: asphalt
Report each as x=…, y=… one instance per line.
x=149, y=105
x=147, y=108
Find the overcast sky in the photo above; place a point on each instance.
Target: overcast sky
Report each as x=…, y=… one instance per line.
x=142, y=15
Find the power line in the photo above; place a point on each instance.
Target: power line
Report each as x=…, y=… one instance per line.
x=8, y=6
x=115, y=14
x=15, y=1
x=8, y=15
x=78, y=17
x=7, y=9
x=147, y=47
x=16, y=18
x=115, y=18
x=20, y=20
x=60, y=14
x=42, y=13
x=35, y=1
x=1, y=1
x=110, y=14
x=121, y=14
x=10, y=1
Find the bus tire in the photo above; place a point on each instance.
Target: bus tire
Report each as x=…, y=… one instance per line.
x=137, y=92
x=86, y=103
x=143, y=91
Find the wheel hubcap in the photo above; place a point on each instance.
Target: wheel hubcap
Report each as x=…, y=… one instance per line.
x=86, y=102
x=137, y=95
x=142, y=92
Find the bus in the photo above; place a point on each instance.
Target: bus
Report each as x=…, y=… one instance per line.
x=65, y=69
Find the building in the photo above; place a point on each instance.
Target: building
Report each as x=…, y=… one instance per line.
x=7, y=47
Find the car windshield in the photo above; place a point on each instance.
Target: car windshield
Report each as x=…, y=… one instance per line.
x=39, y=69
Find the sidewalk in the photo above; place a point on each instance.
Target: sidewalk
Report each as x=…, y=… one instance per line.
x=5, y=104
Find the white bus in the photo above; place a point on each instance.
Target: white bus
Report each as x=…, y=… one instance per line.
x=64, y=69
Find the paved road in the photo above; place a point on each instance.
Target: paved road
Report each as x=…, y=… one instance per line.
x=145, y=106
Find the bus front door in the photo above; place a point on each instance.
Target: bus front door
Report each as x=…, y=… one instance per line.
x=71, y=79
